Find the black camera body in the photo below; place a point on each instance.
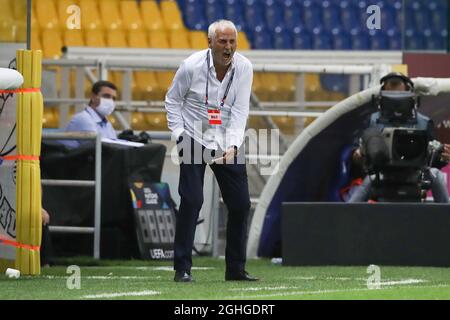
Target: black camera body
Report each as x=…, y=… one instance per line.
x=396, y=152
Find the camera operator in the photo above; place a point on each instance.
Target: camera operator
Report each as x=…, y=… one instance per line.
x=399, y=83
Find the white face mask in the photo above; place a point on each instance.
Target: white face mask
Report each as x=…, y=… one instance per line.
x=106, y=107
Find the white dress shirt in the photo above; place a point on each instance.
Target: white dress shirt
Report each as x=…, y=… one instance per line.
x=185, y=101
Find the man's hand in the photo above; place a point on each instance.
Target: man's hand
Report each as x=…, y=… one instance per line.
x=227, y=156
x=446, y=153
x=357, y=158
x=45, y=217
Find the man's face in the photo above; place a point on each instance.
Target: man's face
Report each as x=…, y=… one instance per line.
x=399, y=86
x=106, y=93
x=223, y=46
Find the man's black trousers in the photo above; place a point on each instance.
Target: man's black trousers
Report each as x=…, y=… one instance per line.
x=232, y=179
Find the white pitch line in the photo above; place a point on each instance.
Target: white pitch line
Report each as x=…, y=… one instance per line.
x=387, y=283
x=326, y=278
x=122, y=294
x=106, y=277
x=405, y=281
x=285, y=294
x=263, y=288
x=164, y=268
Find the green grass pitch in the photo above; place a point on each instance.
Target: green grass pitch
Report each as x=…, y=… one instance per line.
x=153, y=280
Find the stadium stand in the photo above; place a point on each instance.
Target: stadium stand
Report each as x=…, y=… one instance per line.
x=262, y=24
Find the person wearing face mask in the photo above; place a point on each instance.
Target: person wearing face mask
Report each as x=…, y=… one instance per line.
x=94, y=117
x=207, y=110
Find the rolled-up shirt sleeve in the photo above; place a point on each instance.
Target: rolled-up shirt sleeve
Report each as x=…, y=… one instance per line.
x=240, y=108
x=175, y=98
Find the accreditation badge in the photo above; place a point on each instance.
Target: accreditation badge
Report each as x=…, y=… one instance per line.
x=214, y=116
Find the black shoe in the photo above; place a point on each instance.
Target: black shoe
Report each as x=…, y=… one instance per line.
x=183, y=276
x=239, y=276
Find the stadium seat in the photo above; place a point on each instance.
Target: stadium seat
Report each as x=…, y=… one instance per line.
x=36, y=43
x=137, y=39
x=347, y=12
x=112, y=119
x=20, y=31
x=179, y=40
x=330, y=15
x=50, y=118
x=214, y=10
x=158, y=39
x=90, y=17
x=171, y=15
x=34, y=22
x=151, y=15
x=198, y=40
x=439, y=20
x=273, y=15
x=156, y=121
x=302, y=39
x=414, y=41
x=270, y=83
x=110, y=14
x=312, y=82
x=262, y=40
x=52, y=43
x=73, y=38
x=435, y=42
x=95, y=38
x=378, y=40
x=342, y=41
x=288, y=85
x=146, y=85
x=256, y=86
x=7, y=29
x=389, y=17
x=254, y=16
x=131, y=15
x=20, y=10
x=116, y=39
x=422, y=19
x=194, y=15
x=282, y=39
x=312, y=14
x=322, y=40
x=335, y=82
x=395, y=40
x=234, y=11
x=46, y=14
x=242, y=41
x=292, y=14
x=437, y=5
x=360, y=41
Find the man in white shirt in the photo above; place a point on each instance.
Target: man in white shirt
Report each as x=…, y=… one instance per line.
x=207, y=110
x=94, y=117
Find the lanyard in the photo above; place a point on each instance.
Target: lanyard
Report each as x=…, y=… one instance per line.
x=227, y=90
